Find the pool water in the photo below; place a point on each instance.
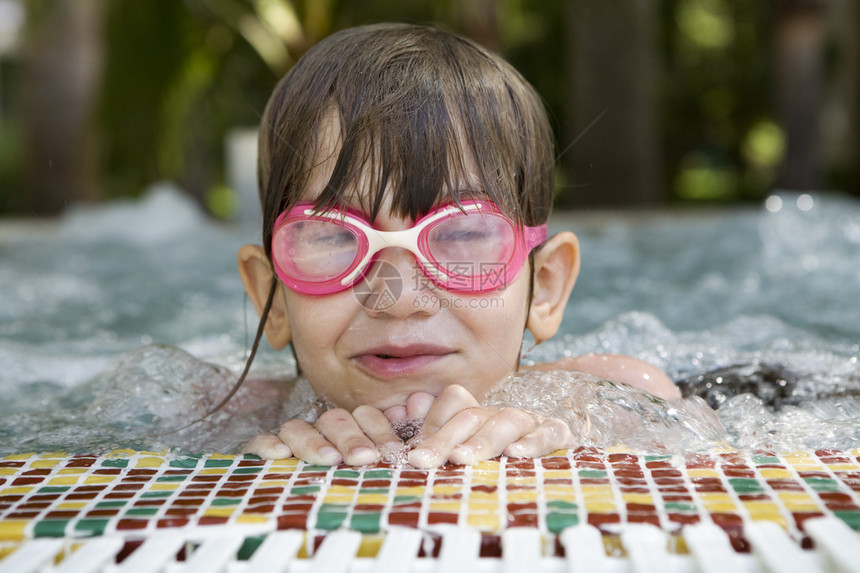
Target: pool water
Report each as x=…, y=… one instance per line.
x=121, y=322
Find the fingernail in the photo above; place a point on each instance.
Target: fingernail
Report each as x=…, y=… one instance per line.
x=422, y=457
x=329, y=456
x=362, y=456
x=462, y=454
x=281, y=451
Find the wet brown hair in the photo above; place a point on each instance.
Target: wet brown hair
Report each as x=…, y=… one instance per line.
x=424, y=108
x=434, y=115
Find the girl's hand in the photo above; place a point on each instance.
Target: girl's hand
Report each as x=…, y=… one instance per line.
x=457, y=429
x=353, y=438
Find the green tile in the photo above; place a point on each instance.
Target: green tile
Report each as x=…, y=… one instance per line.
x=217, y=463
x=187, y=462
x=314, y=468
x=592, y=473
x=141, y=511
x=745, y=485
x=822, y=484
x=346, y=474
x=559, y=504
x=378, y=474
x=249, y=546
x=116, y=463
x=54, y=489
x=50, y=528
x=850, y=517
x=680, y=506
x=763, y=459
x=157, y=494
x=382, y=490
x=251, y=457
x=401, y=499
x=330, y=519
x=657, y=458
x=304, y=490
x=226, y=501
x=109, y=504
x=556, y=522
x=366, y=522
x=250, y=470
x=171, y=478
x=91, y=527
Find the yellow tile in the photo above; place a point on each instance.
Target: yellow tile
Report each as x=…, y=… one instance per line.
x=492, y=465
x=794, y=497
x=90, y=479
x=557, y=454
x=448, y=506
x=372, y=498
x=285, y=463
x=213, y=471
x=559, y=491
x=163, y=486
x=17, y=457
x=63, y=480
x=149, y=462
x=222, y=457
x=720, y=507
x=44, y=464
x=557, y=474
x=341, y=489
x=600, y=507
x=369, y=546
x=72, y=471
x=416, y=490
x=20, y=490
x=637, y=498
x=219, y=511
x=776, y=473
x=251, y=519
x=482, y=506
x=483, y=521
x=121, y=453
x=591, y=489
x=482, y=496
x=522, y=495
x=338, y=498
x=272, y=483
x=446, y=489
x=72, y=505
x=716, y=497
x=843, y=467
x=776, y=518
x=13, y=529
x=8, y=471
x=702, y=472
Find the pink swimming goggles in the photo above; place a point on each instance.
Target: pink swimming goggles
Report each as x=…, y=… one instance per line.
x=468, y=248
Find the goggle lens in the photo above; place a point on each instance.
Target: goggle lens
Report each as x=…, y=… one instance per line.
x=471, y=248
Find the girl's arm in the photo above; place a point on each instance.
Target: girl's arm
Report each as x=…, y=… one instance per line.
x=618, y=368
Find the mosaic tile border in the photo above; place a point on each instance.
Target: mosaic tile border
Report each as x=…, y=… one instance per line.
x=135, y=494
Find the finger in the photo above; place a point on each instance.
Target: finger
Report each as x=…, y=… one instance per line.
x=396, y=413
x=418, y=404
x=308, y=444
x=376, y=426
x=549, y=436
x=342, y=430
x=435, y=448
x=268, y=447
x=499, y=432
x=445, y=406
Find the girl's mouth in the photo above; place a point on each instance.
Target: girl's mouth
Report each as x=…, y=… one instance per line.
x=393, y=361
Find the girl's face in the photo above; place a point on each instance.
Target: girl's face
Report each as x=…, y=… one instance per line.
x=395, y=332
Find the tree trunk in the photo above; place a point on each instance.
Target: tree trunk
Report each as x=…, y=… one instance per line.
x=60, y=85
x=612, y=144
x=799, y=75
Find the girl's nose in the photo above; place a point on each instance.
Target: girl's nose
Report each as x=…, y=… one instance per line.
x=395, y=285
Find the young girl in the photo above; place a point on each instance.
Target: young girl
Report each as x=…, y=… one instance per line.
x=406, y=179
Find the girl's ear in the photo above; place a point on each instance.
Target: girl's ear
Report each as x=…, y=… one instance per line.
x=257, y=276
x=556, y=268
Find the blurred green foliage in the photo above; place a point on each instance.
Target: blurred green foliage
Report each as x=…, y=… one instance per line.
x=179, y=75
